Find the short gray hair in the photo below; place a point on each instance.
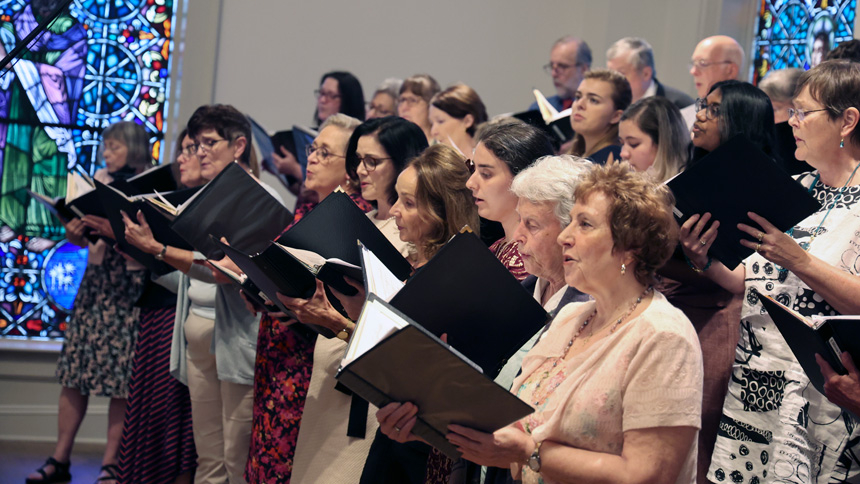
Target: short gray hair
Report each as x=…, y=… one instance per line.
x=342, y=121
x=641, y=54
x=583, y=51
x=552, y=179
x=390, y=86
x=781, y=85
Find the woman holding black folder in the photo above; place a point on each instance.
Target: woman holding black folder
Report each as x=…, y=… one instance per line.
x=615, y=382
x=771, y=412
x=98, y=346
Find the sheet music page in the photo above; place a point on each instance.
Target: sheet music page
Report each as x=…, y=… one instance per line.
x=375, y=323
x=380, y=280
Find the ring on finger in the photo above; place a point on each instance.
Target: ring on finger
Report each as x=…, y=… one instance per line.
x=704, y=241
x=397, y=429
x=757, y=247
x=760, y=236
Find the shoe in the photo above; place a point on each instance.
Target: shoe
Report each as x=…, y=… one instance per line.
x=60, y=475
x=111, y=471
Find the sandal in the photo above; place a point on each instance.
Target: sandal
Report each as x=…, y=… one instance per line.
x=60, y=475
x=111, y=471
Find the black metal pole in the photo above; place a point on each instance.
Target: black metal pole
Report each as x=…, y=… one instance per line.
x=32, y=35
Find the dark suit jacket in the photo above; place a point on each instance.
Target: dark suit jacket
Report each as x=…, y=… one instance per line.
x=677, y=97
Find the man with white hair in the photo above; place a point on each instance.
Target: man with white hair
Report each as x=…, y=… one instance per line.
x=634, y=58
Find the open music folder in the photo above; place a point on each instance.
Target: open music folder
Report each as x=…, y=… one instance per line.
x=391, y=358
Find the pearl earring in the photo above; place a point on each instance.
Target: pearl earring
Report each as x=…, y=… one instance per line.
x=623, y=269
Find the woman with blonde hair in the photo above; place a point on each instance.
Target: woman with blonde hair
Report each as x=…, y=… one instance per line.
x=654, y=138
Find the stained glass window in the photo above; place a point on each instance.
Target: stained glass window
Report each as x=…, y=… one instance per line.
x=100, y=62
x=796, y=33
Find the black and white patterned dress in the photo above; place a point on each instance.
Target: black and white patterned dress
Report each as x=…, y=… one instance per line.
x=775, y=426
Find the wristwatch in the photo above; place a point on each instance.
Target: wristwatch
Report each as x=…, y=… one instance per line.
x=160, y=255
x=534, y=459
x=344, y=334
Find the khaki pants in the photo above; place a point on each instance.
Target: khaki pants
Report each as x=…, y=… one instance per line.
x=221, y=411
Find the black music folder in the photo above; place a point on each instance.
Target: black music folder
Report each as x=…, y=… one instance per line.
x=332, y=230
x=115, y=202
x=827, y=336
x=732, y=180
x=159, y=178
x=235, y=206
x=391, y=358
x=466, y=293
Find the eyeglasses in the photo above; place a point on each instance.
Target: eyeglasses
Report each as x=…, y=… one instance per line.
x=331, y=96
x=379, y=110
x=407, y=100
x=471, y=166
x=703, y=64
x=206, y=144
x=190, y=150
x=712, y=111
x=558, y=66
x=370, y=162
x=323, y=154
x=801, y=114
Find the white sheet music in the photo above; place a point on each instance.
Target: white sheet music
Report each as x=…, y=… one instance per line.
x=379, y=280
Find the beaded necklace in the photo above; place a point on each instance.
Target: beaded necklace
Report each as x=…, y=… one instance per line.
x=805, y=245
x=587, y=321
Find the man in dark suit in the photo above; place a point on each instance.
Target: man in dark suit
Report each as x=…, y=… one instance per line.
x=569, y=60
x=634, y=58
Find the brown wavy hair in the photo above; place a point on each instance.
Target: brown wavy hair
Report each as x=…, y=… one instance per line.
x=442, y=197
x=459, y=101
x=640, y=215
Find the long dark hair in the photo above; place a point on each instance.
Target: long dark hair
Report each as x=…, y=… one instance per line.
x=401, y=139
x=518, y=145
x=746, y=109
x=351, y=94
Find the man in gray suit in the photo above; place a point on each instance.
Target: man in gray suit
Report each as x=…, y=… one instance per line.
x=634, y=58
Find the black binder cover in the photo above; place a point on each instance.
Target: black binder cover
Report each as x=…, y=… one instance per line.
x=235, y=206
x=332, y=230
x=56, y=206
x=115, y=203
x=559, y=130
x=466, y=293
x=732, y=180
x=412, y=365
x=157, y=179
x=270, y=279
x=805, y=341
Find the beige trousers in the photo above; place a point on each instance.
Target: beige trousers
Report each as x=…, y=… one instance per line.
x=221, y=411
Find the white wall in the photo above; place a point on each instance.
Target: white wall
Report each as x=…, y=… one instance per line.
x=271, y=53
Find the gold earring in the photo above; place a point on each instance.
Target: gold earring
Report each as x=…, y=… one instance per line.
x=623, y=269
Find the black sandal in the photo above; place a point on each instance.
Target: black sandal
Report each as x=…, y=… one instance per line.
x=112, y=471
x=60, y=475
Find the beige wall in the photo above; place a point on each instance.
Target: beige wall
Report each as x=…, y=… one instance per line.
x=496, y=46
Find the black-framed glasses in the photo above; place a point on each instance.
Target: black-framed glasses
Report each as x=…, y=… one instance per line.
x=470, y=165
x=323, y=154
x=712, y=111
x=379, y=110
x=207, y=144
x=409, y=101
x=703, y=64
x=801, y=114
x=558, y=66
x=370, y=162
x=327, y=95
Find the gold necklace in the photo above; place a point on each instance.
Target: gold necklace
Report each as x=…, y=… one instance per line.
x=587, y=321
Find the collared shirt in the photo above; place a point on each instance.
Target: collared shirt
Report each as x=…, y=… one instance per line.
x=651, y=91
